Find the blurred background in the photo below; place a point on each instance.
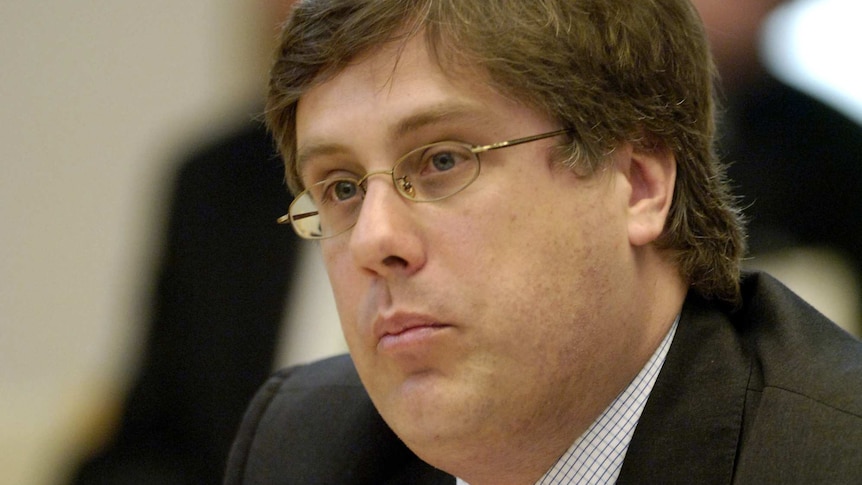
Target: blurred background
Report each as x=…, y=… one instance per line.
x=98, y=102
x=97, y=98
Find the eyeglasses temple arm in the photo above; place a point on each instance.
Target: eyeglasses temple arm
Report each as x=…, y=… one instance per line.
x=285, y=219
x=518, y=141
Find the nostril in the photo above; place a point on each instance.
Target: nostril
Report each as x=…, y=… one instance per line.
x=394, y=261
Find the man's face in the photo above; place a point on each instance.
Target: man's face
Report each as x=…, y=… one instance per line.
x=490, y=317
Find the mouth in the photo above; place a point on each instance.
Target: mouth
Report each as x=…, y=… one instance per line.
x=405, y=332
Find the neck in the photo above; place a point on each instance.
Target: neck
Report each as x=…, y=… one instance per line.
x=523, y=456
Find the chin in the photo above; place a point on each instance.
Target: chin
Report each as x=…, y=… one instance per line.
x=428, y=412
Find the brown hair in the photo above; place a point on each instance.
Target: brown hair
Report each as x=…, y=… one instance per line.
x=612, y=71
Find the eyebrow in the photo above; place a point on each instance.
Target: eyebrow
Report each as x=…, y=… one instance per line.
x=445, y=112
x=304, y=154
x=437, y=114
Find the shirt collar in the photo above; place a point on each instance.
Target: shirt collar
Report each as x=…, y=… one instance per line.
x=596, y=457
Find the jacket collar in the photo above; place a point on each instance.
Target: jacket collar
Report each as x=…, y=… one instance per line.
x=690, y=427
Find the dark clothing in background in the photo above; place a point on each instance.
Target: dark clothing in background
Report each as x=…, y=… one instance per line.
x=215, y=317
x=797, y=163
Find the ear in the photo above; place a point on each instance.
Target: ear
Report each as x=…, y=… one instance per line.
x=651, y=173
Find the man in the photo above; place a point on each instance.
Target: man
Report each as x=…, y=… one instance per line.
x=535, y=260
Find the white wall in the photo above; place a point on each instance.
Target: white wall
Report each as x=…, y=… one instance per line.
x=814, y=44
x=95, y=96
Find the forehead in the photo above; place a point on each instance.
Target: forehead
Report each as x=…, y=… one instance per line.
x=392, y=93
x=394, y=79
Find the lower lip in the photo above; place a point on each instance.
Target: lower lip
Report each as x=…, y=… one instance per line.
x=411, y=339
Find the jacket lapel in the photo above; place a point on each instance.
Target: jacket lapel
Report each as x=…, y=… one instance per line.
x=690, y=427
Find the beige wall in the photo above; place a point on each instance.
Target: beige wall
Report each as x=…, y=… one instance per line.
x=95, y=96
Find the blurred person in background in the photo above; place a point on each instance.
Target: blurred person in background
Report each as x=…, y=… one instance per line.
x=796, y=162
x=214, y=319
x=216, y=311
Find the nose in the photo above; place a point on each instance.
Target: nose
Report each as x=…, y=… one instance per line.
x=387, y=238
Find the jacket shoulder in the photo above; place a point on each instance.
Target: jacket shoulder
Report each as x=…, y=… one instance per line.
x=797, y=349
x=316, y=424
x=803, y=419
x=766, y=393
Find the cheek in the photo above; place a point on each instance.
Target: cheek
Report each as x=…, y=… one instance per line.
x=547, y=249
x=528, y=229
x=345, y=285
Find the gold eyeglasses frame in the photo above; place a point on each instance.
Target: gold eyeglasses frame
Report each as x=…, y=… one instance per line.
x=405, y=188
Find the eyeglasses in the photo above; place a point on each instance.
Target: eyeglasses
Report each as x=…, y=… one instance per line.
x=426, y=174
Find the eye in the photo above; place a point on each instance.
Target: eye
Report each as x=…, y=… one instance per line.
x=443, y=161
x=340, y=190
x=443, y=158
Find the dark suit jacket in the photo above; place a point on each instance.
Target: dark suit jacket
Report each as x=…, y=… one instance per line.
x=771, y=393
